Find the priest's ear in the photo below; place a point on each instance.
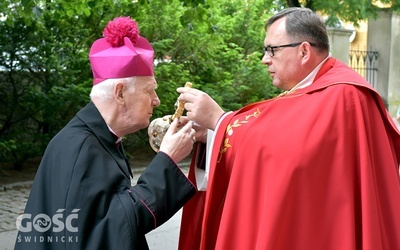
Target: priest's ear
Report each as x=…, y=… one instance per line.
x=305, y=50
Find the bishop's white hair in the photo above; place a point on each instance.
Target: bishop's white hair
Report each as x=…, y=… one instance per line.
x=105, y=89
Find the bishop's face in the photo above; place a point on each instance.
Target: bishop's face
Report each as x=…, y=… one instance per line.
x=139, y=103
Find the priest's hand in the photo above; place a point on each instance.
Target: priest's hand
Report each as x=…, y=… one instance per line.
x=200, y=107
x=201, y=133
x=178, y=142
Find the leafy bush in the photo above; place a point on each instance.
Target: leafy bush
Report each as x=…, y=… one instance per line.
x=46, y=78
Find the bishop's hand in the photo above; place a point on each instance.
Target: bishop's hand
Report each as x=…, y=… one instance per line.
x=178, y=142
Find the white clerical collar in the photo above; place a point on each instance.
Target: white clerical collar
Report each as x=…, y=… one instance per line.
x=308, y=80
x=112, y=131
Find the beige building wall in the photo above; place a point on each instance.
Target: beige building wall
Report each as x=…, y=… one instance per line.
x=360, y=38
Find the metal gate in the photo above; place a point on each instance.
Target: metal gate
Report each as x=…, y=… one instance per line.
x=365, y=63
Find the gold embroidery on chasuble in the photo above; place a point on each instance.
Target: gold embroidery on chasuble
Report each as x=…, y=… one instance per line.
x=230, y=129
x=237, y=123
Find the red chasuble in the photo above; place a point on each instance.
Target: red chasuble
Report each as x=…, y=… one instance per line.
x=314, y=169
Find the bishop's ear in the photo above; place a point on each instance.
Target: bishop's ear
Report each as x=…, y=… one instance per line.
x=119, y=90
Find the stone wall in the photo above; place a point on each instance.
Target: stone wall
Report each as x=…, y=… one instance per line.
x=339, y=43
x=384, y=37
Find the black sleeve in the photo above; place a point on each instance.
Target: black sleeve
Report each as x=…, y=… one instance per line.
x=163, y=189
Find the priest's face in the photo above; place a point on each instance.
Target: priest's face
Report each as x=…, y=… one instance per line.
x=139, y=103
x=282, y=56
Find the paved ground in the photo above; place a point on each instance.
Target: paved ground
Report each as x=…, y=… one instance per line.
x=14, y=196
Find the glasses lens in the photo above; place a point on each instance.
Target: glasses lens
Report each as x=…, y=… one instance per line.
x=268, y=50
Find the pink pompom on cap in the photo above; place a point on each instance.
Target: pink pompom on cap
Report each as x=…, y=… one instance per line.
x=118, y=29
x=121, y=53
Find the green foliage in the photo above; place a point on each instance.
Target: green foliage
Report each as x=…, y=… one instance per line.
x=6, y=147
x=42, y=61
x=352, y=11
x=45, y=77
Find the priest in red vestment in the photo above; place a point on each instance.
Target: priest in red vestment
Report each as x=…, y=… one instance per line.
x=314, y=168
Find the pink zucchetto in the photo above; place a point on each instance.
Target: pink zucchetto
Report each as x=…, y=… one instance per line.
x=121, y=53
